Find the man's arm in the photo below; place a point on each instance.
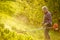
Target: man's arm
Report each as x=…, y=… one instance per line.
x=49, y=18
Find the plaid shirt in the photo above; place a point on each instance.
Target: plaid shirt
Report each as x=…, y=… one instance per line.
x=48, y=18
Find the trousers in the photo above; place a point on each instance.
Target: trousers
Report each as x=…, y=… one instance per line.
x=46, y=31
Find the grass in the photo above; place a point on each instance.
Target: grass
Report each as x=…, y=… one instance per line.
x=55, y=35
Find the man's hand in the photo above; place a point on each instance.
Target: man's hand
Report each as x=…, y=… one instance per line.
x=42, y=23
x=45, y=24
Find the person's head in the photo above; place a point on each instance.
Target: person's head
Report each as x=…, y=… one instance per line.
x=44, y=9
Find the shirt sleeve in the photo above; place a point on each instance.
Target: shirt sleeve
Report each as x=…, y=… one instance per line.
x=49, y=18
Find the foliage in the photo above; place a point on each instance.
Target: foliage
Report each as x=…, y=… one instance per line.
x=6, y=34
x=30, y=9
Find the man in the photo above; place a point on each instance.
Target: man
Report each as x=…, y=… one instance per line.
x=47, y=22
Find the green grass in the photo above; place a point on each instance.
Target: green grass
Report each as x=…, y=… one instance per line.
x=55, y=35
